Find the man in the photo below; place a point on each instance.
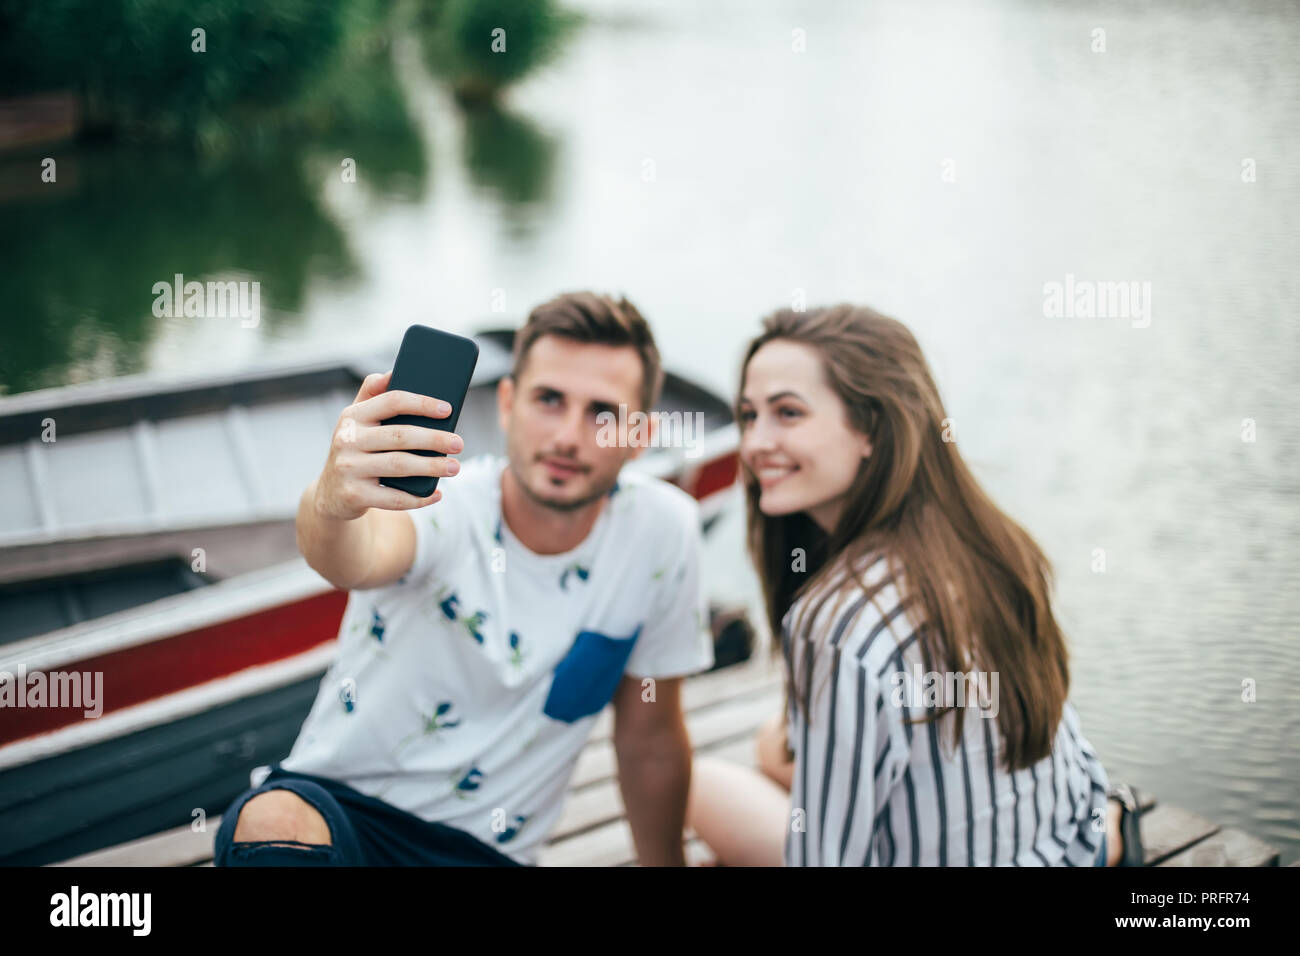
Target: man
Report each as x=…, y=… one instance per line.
x=484, y=634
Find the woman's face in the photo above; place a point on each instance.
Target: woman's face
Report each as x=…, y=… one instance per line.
x=795, y=435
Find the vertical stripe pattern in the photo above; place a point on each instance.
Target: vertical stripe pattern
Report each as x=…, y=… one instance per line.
x=871, y=788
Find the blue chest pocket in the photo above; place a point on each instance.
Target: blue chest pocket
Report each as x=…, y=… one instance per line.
x=587, y=676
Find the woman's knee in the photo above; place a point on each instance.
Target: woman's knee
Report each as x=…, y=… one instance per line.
x=738, y=812
x=280, y=814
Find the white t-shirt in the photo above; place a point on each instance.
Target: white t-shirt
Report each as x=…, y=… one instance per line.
x=465, y=692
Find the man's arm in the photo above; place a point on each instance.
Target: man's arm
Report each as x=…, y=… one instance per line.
x=351, y=529
x=654, y=767
x=366, y=552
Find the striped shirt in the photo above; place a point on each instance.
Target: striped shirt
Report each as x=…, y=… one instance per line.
x=870, y=789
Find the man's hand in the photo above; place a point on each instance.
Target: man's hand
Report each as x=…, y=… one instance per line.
x=363, y=451
x=350, y=528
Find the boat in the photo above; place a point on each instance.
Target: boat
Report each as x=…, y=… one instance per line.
x=147, y=544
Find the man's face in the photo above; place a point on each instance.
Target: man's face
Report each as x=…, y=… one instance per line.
x=549, y=417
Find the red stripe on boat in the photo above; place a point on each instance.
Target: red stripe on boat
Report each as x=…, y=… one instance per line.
x=714, y=475
x=148, y=671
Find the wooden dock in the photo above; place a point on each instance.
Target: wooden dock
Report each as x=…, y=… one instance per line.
x=723, y=711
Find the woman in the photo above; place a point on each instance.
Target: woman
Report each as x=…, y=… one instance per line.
x=926, y=676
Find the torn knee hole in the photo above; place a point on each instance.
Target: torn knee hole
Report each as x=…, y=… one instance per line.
x=294, y=844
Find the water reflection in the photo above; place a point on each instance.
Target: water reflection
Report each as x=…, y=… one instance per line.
x=83, y=253
x=512, y=159
x=80, y=267
x=367, y=119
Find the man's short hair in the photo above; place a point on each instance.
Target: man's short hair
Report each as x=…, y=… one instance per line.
x=599, y=319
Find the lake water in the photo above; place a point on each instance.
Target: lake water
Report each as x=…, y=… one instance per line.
x=941, y=162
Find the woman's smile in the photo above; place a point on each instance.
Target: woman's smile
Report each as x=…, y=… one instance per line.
x=770, y=475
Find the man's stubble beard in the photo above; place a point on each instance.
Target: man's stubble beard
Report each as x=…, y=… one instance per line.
x=561, y=506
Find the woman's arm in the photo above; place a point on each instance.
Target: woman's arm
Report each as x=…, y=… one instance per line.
x=772, y=752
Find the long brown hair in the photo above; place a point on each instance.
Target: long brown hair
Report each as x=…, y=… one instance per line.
x=974, y=578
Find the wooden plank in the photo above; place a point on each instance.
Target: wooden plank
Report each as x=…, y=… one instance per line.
x=611, y=843
x=1228, y=847
x=1169, y=830
x=705, y=690
x=712, y=725
x=589, y=807
x=179, y=847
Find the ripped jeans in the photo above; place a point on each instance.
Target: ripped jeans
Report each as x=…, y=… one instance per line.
x=364, y=831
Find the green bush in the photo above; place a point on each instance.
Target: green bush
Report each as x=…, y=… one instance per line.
x=466, y=37
x=139, y=77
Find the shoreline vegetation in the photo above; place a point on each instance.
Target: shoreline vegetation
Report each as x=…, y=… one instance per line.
x=154, y=139
x=225, y=75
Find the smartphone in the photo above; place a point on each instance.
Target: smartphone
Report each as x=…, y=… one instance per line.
x=435, y=363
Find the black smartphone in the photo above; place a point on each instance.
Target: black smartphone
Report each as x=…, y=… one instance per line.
x=438, y=364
